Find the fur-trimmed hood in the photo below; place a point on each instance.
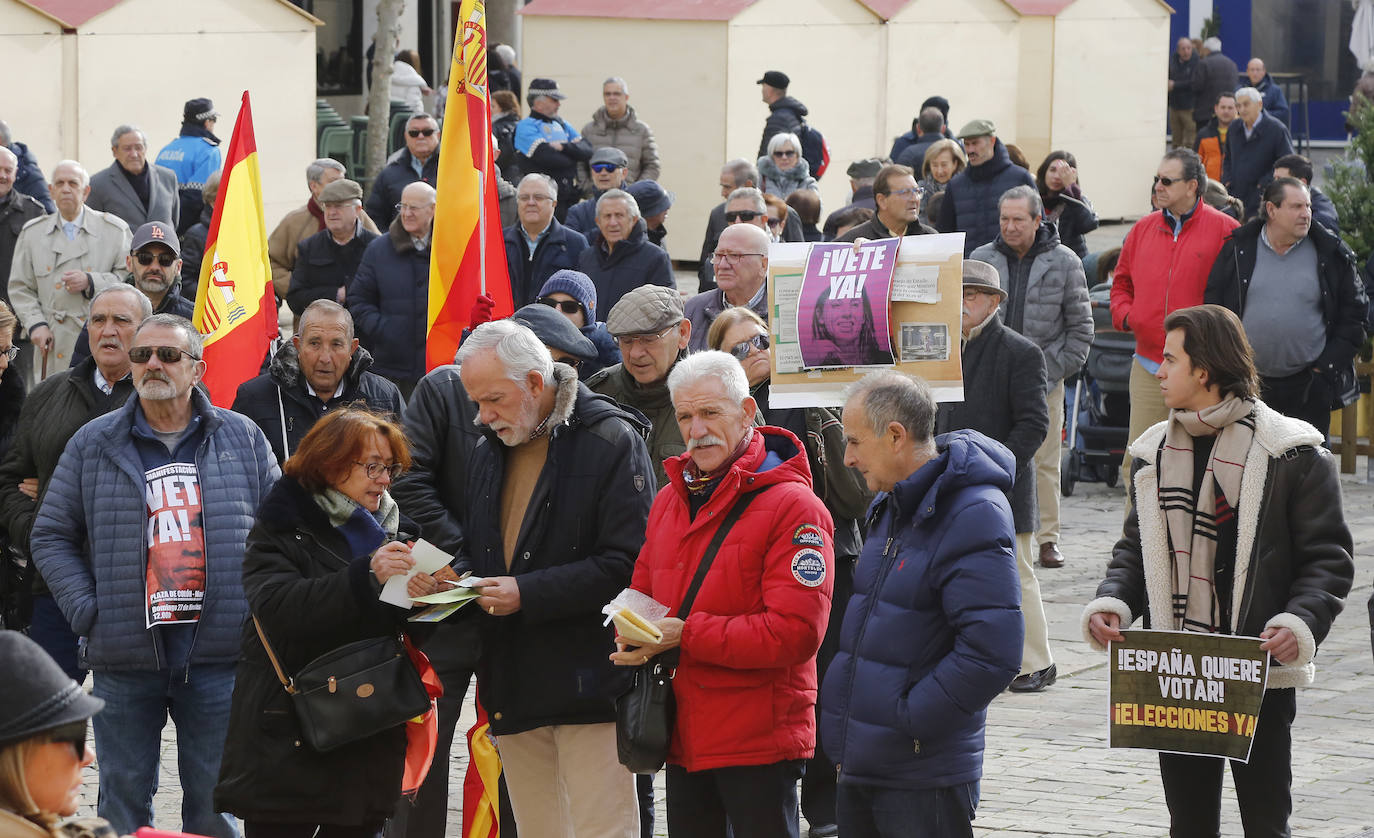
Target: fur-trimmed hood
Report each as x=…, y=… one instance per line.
x=286, y=368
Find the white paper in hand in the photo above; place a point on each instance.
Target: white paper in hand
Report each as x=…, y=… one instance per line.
x=428, y=559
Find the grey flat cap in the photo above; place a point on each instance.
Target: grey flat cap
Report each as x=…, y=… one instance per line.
x=649, y=309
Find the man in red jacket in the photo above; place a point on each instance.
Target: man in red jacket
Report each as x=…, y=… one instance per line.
x=1164, y=265
x=746, y=680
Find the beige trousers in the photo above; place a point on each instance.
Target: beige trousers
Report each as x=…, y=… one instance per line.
x=1047, y=468
x=1183, y=128
x=1035, y=650
x=565, y=781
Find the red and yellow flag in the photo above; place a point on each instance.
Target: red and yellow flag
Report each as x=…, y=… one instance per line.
x=468, y=256
x=481, y=783
x=236, y=311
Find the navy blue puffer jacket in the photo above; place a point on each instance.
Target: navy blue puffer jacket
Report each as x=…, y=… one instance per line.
x=970, y=203
x=933, y=631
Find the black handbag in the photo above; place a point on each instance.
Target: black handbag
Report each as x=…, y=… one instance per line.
x=354, y=691
x=646, y=712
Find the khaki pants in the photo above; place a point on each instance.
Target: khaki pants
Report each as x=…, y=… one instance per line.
x=1047, y=469
x=1147, y=408
x=1035, y=650
x=1183, y=128
x=565, y=781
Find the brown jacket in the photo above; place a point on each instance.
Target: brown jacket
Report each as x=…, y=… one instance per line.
x=295, y=227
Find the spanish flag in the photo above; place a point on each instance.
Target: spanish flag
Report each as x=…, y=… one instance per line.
x=468, y=256
x=236, y=310
x=482, y=782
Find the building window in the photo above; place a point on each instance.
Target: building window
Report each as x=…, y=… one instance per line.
x=338, y=46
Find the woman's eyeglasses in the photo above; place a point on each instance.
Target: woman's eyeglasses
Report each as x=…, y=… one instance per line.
x=375, y=470
x=741, y=350
x=73, y=734
x=165, y=354
x=565, y=306
x=145, y=258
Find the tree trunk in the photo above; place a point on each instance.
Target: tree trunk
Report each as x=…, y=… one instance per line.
x=379, y=96
x=503, y=25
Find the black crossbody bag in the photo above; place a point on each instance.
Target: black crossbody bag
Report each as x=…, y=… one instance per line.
x=646, y=712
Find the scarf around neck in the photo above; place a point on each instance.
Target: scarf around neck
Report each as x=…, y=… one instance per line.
x=698, y=483
x=1192, y=520
x=364, y=531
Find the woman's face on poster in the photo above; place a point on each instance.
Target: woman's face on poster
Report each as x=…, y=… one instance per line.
x=845, y=319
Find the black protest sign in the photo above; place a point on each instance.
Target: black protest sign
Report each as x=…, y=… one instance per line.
x=1186, y=693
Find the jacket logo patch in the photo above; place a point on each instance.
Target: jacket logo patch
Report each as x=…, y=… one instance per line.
x=639, y=482
x=808, y=535
x=808, y=567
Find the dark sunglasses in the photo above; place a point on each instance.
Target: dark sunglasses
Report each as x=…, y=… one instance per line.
x=165, y=354
x=784, y=154
x=74, y=734
x=145, y=258
x=741, y=350
x=742, y=215
x=420, y=132
x=603, y=168
x=1167, y=181
x=565, y=306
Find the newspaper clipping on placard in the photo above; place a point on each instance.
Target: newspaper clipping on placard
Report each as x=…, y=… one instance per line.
x=840, y=311
x=1186, y=692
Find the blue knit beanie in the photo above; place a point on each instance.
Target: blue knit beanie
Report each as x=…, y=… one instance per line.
x=576, y=285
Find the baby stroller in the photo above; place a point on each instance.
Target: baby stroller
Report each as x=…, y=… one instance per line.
x=1098, y=403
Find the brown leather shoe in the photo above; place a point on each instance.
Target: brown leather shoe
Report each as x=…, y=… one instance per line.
x=1050, y=555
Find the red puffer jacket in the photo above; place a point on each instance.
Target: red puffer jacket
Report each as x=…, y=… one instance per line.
x=746, y=683
x=1160, y=273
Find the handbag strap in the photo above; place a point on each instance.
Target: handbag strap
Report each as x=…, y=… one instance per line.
x=276, y=665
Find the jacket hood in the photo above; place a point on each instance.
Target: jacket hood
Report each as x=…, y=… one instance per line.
x=770, y=171
x=286, y=368
x=789, y=102
x=603, y=119
x=1001, y=159
x=774, y=455
x=967, y=458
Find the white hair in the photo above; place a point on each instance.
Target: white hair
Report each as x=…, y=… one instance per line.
x=631, y=205
x=749, y=193
x=779, y=140
x=1212, y=44
x=507, y=53
x=514, y=345
x=127, y=129
x=711, y=363
x=80, y=170
x=624, y=88
x=547, y=181
x=1250, y=94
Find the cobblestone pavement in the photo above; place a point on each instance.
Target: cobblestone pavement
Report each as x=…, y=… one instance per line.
x=1048, y=771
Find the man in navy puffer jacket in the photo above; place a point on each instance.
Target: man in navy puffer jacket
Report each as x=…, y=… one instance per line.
x=970, y=204
x=933, y=631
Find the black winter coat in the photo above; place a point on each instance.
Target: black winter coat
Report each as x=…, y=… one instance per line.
x=1184, y=75
x=785, y=116
x=193, y=252
x=633, y=262
x=389, y=301
x=324, y=266
x=172, y=303
x=392, y=181
x=970, y=203
x=503, y=129
x=16, y=210
x=311, y=595
x=278, y=402
x=11, y=402
x=548, y=663
x=1004, y=398
x=559, y=249
x=1215, y=74
x=1249, y=163
x=716, y=224
x=1344, y=302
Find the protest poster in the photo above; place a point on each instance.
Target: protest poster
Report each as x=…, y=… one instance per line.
x=1186, y=692
x=175, y=577
x=902, y=301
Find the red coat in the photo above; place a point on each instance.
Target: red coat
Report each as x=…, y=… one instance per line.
x=1159, y=274
x=746, y=683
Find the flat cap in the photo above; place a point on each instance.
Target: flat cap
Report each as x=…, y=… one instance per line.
x=609, y=154
x=340, y=191
x=867, y=167
x=648, y=309
x=775, y=78
x=984, y=277
x=555, y=331
x=977, y=128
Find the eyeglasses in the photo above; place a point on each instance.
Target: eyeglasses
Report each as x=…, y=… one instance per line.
x=603, y=168
x=420, y=132
x=165, y=354
x=410, y=207
x=528, y=199
x=575, y=363
x=1168, y=181
x=788, y=153
x=742, y=215
x=145, y=258
x=742, y=349
x=375, y=470
x=565, y=306
x=650, y=340
x=902, y=193
x=10, y=353
x=730, y=258
x=73, y=734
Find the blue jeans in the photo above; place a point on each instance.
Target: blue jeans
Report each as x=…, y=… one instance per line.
x=50, y=629
x=128, y=743
x=876, y=812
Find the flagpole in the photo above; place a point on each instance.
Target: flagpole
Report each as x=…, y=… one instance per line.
x=486, y=158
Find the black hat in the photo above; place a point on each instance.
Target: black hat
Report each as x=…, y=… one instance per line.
x=198, y=110
x=555, y=331
x=546, y=87
x=652, y=198
x=937, y=102
x=156, y=232
x=775, y=78
x=38, y=695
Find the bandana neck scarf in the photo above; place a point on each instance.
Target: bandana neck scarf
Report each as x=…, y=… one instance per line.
x=699, y=483
x=1192, y=522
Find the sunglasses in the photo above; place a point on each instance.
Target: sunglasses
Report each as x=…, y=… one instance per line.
x=74, y=734
x=565, y=306
x=1167, y=181
x=145, y=258
x=741, y=350
x=420, y=132
x=603, y=168
x=784, y=154
x=742, y=215
x=374, y=470
x=165, y=354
